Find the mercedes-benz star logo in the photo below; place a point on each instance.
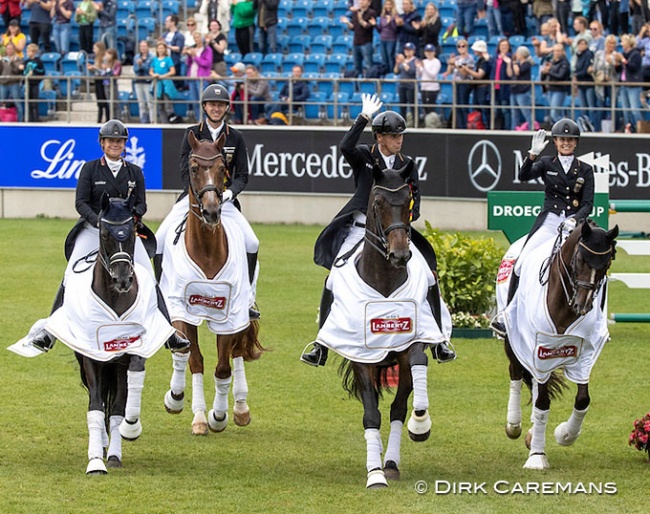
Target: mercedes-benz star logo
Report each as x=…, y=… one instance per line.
x=484, y=165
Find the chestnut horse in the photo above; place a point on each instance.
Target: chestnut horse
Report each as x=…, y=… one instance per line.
x=566, y=330
x=205, y=278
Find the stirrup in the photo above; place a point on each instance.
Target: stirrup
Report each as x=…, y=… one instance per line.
x=254, y=314
x=316, y=357
x=177, y=343
x=498, y=326
x=448, y=355
x=43, y=341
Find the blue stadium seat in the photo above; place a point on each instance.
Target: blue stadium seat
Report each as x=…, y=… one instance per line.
x=296, y=27
x=387, y=98
x=336, y=63
x=51, y=61
x=282, y=26
x=314, y=108
x=354, y=109
x=73, y=61
x=283, y=42
x=125, y=26
x=314, y=63
x=271, y=63
x=291, y=60
x=336, y=28
x=517, y=40
x=144, y=9
x=327, y=85
x=46, y=102
x=368, y=86
x=73, y=80
x=342, y=44
x=299, y=44
x=323, y=8
x=302, y=9
x=322, y=44
x=125, y=8
x=169, y=7
x=336, y=104
x=145, y=28
x=318, y=26
x=254, y=58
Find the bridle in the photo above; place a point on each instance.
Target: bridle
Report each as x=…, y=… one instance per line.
x=120, y=231
x=198, y=195
x=379, y=240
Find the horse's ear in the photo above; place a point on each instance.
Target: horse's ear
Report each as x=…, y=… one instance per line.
x=586, y=228
x=405, y=172
x=377, y=172
x=104, y=202
x=191, y=138
x=220, y=142
x=612, y=234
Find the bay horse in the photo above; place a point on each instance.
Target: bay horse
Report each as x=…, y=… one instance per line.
x=567, y=330
x=206, y=279
x=384, y=274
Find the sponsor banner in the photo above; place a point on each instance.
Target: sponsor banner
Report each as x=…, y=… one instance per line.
x=51, y=156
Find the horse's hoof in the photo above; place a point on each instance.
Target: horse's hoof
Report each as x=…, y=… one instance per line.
x=217, y=425
x=130, y=430
x=529, y=437
x=200, y=424
x=113, y=462
x=174, y=403
x=537, y=461
x=513, y=431
x=562, y=435
x=241, y=414
x=96, y=466
x=419, y=427
x=376, y=480
x=391, y=472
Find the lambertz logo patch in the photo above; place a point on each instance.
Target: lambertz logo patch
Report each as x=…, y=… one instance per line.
x=212, y=302
x=391, y=325
x=562, y=352
x=119, y=343
x=505, y=269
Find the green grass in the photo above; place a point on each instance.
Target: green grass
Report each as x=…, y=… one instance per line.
x=304, y=450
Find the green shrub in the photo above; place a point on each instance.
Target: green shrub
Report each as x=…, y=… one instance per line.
x=467, y=269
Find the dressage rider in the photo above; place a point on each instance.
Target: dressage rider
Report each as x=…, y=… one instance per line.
x=113, y=176
x=215, y=102
x=568, y=194
x=347, y=229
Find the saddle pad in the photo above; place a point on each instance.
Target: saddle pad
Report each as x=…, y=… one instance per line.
x=553, y=351
x=390, y=324
x=208, y=300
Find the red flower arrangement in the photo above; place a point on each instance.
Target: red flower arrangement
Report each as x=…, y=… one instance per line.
x=639, y=436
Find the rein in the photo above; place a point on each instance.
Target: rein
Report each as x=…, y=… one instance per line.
x=198, y=195
x=379, y=240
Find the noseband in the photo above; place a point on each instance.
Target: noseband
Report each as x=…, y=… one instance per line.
x=198, y=195
x=120, y=231
x=379, y=240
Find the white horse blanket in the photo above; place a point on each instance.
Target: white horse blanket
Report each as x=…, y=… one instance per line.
x=222, y=301
x=88, y=326
x=532, y=334
x=364, y=326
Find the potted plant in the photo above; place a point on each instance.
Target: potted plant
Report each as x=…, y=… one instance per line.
x=639, y=436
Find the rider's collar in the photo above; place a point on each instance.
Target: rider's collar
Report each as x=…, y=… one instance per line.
x=214, y=132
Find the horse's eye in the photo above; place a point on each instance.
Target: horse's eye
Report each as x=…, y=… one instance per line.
x=194, y=169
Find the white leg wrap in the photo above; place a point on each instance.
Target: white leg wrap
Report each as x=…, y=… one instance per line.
x=420, y=395
x=222, y=387
x=135, y=380
x=394, y=440
x=115, y=445
x=534, y=393
x=574, y=424
x=179, y=364
x=538, y=440
x=239, y=387
x=198, y=395
x=95, y=420
x=373, y=448
x=514, y=402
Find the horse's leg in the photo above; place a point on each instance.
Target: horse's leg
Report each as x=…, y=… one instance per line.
x=118, y=398
x=131, y=427
x=199, y=408
x=567, y=432
x=218, y=415
x=175, y=396
x=513, y=419
x=241, y=412
x=419, y=424
x=537, y=456
x=95, y=418
x=365, y=379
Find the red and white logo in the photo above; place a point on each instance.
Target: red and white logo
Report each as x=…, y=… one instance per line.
x=562, y=352
x=391, y=325
x=119, y=343
x=211, y=302
x=505, y=269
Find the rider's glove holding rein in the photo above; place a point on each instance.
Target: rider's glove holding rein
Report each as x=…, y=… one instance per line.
x=539, y=143
x=370, y=105
x=227, y=195
x=569, y=225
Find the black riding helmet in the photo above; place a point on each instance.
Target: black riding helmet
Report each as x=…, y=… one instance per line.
x=113, y=129
x=565, y=128
x=215, y=93
x=388, y=122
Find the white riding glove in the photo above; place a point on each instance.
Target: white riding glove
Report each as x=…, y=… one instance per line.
x=370, y=105
x=570, y=224
x=539, y=142
x=227, y=195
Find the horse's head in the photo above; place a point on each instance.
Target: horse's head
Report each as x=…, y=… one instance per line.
x=117, y=241
x=587, y=255
x=388, y=228
x=207, y=177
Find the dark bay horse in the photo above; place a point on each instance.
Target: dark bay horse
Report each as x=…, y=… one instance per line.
x=569, y=333
x=385, y=264
x=211, y=251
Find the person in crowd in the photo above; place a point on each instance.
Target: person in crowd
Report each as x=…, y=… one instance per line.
x=346, y=231
x=267, y=23
x=387, y=27
x=101, y=91
x=33, y=70
x=11, y=10
x=493, y=17
x=114, y=177
x=141, y=67
x=362, y=23
x=581, y=28
x=599, y=10
x=519, y=70
x=630, y=72
x=643, y=44
x=188, y=34
x=466, y=12
x=568, y=197
x=481, y=73
x=107, y=14
x=551, y=34
x=238, y=95
x=408, y=25
x=431, y=26
x=218, y=43
x=607, y=62
x=175, y=41
x=86, y=15
x=619, y=17
x=499, y=74
x=243, y=21
x=458, y=66
x=40, y=23
x=162, y=69
x=62, y=11
x=597, y=37
x=199, y=66
x=428, y=70
x=558, y=74
x=259, y=93
x=543, y=11
x=292, y=94
x=583, y=76
x=214, y=10
x=15, y=36
x=111, y=70
x=637, y=11
x=11, y=79
x=406, y=70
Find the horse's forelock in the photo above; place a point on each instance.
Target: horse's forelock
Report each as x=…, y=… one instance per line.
x=117, y=211
x=390, y=179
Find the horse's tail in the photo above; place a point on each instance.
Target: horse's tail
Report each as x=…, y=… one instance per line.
x=248, y=345
x=351, y=385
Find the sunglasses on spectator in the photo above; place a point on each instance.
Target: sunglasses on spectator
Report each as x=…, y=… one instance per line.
x=593, y=28
x=191, y=24
x=461, y=46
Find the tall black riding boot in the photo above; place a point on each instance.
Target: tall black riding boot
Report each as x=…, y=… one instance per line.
x=442, y=352
x=318, y=355
x=252, y=263
x=175, y=343
x=157, y=266
x=44, y=341
x=497, y=324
